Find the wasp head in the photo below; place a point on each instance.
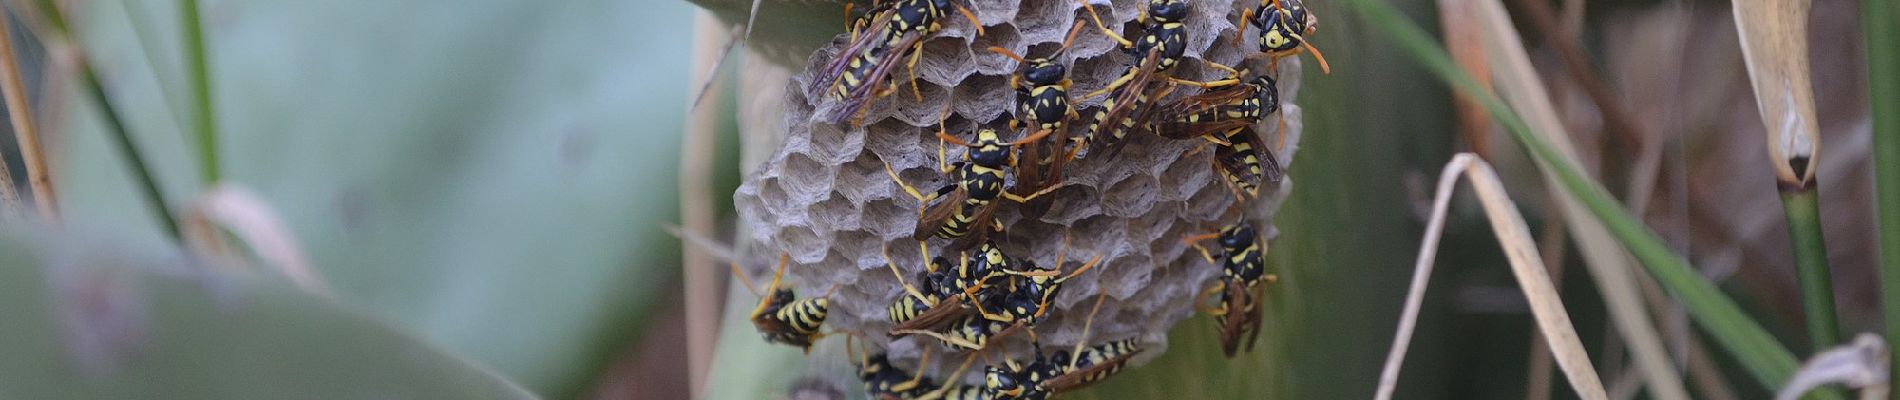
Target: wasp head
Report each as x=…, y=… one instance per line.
x=1000, y=383
x=1044, y=72
x=1237, y=235
x=990, y=150
x=1168, y=10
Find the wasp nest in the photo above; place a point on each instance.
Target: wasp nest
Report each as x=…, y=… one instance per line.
x=825, y=199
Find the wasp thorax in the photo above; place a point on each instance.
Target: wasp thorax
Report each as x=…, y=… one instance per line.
x=1268, y=95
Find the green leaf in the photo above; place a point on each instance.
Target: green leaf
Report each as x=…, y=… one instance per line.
x=491, y=174
x=90, y=318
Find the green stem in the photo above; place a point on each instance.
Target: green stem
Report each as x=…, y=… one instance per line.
x=1880, y=24
x=201, y=89
x=122, y=137
x=153, y=196
x=1759, y=353
x=1811, y=267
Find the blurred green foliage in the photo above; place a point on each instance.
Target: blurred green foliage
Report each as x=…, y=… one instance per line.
x=92, y=317
x=491, y=174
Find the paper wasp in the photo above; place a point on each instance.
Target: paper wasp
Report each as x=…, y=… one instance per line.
x=946, y=287
x=1035, y=289
x=1243, y=268
x=782, y=317
x=1226, y=117
x=1283, y=25
x=884, y=380
x=859, y=72
x=1042, y=104
x=1161, y=45
x=1063, y=371
x=966, y=203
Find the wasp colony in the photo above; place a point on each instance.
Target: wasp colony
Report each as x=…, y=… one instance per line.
x=1004, y=200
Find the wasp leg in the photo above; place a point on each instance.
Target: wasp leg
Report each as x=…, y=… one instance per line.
x=1240, y=26
x=900, y=184
x=959, y=342
x=916, y=54
x=1104, y=27
x=1201, y=303
x=900, y=276
x=1195, y=241
x=1230, y=181
x=1327, y=69
x=1082, y=342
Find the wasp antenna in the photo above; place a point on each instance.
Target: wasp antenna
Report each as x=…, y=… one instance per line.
x=1032, y=137
x=1328, y=69
x=1062, y=252
x=1006, y=53
x=1085, y=267
x=972, y=16
x=743, y=279
x=1196, y=238
x=1073, y=31
x=953, y=139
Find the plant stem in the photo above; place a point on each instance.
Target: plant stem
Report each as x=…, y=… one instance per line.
x=1758, y=351
x=1880, y=25
x=201, y=90
x=1811, y=267
x=89, y=80
x=130, y=150
x=25, y=132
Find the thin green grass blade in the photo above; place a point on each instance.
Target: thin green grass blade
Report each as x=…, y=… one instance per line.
x=1880, y=24
x=205, y=115
x=1765, y=359
x=1811, y=267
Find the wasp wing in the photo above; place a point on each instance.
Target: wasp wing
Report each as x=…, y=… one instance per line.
x=1239, y=319
x=1082, y=377
x=1128, y=90
x=949, y=309
x=873, y=35
x=867, y=90
x=1247, y=156
x=939, y=213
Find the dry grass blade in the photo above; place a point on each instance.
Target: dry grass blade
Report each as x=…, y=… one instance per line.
x=1608, y=262
x=1774, y=45
x=1862, y=364
x=1526, y=266
x=1467, y=48
x=20, y=113
x=253, y=221
x=9, y=198
x=697, y=148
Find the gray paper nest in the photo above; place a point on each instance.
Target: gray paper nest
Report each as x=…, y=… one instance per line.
x=824, y=197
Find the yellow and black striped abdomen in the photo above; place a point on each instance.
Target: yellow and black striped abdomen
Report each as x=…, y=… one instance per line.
x=804, y=316
x=858, y=71
x=1104, y=360
x=906, y=308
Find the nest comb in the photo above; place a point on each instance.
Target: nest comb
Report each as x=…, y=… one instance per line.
x=823, y=197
